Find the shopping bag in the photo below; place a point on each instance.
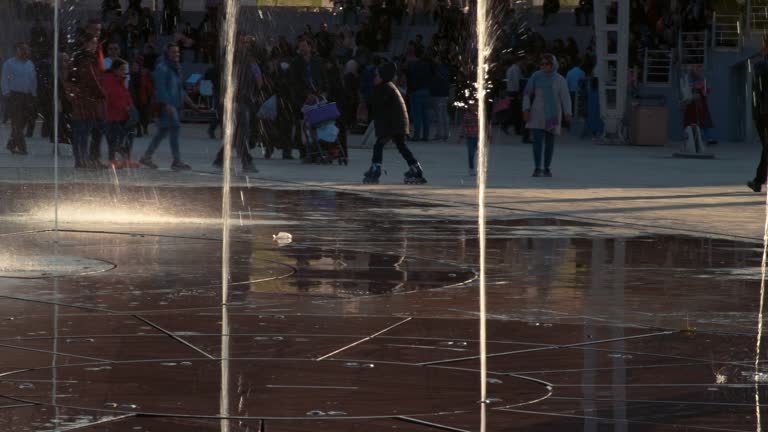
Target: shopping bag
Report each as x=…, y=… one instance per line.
x=268, y=110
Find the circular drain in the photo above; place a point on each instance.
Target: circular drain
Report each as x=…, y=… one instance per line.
x=268, y=388
x=46, y=266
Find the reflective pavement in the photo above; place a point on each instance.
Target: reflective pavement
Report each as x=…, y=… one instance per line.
x=367, y=320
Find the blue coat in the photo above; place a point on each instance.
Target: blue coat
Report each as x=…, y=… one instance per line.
x=169, y=90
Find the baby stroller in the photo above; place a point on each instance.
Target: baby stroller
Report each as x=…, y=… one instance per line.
x=321, y=132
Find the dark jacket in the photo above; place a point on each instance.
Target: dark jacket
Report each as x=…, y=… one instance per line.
x=419, y=76
x=760, y=87
x=390, y=117
x=307, y=80
x=87, y=96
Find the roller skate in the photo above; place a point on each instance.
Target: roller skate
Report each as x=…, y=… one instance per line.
x=372, y=175
x=414, y=175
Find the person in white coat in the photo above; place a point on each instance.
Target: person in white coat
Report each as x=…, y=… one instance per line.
x=545, y=101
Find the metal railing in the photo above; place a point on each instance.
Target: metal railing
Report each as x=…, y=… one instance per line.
x=726, y=31
x=692, y=47
x=657, y=67
x=758, y=16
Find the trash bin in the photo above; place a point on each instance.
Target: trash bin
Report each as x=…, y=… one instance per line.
x=648, y=121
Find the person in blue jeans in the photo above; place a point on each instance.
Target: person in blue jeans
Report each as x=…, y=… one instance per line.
x=170, y=94
x=419, y=81
x=545, y=100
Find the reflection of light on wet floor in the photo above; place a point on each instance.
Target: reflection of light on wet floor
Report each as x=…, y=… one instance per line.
x=101, y=214
x=40, y=266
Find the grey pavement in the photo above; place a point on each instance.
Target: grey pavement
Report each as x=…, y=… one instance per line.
x=645, y=186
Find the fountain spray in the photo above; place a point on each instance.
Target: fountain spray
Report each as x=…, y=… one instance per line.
x=229, y=123
x=482, y=166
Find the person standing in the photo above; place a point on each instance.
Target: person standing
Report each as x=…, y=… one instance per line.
x=760, y=114
x=419, y=79
x=545, y=101
x=470, y=128
x=250, y=83
x=19, y=87
x=87, y=98
x=439, y=91
x=308, y=79
x=573, y=78
x=513, y=77
x=170, y=94
x=390, y=121
x=119, y=106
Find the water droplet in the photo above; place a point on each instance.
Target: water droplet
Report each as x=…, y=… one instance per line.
x=493, y=381
x=316, y=413
x=446, y=343
x=352, y=365
x=451, y=274
x=186, y=363
x=461, y=343
x=168, y=364
x=128, y=406
x=369, y=365
x=337, y=413
x=110, y=405
x=277, y=338
x=26, y=386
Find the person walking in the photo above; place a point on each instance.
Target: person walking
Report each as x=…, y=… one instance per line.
x=390, y=122
x=19, y=88
x=760, y=115
x=170, y=94
x=545, y=101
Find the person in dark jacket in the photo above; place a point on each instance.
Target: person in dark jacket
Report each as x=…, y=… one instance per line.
x=760, y=115
x=87, y=99
x=308, y=79
x=420, y=77
x=390, y=121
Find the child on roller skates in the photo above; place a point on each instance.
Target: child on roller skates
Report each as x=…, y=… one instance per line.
x=390, y=121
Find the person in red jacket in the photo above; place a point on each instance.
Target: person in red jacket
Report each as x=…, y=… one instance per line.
x=119, y=109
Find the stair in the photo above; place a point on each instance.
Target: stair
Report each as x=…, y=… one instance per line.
x=692, y=48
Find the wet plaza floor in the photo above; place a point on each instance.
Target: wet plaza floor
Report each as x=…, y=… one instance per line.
x=366, y=321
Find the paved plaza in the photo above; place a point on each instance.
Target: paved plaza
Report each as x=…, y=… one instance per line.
x=622, y=293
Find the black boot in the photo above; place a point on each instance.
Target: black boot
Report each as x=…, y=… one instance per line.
x=372, y=175
x=414, y=175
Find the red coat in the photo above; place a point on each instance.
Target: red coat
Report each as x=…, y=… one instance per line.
x=118, y=98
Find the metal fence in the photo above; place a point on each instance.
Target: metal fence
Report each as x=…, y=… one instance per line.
x=657, y=67
x=726, y=31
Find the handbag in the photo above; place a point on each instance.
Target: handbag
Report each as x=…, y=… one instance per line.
x=502, y=104
x=316, y=114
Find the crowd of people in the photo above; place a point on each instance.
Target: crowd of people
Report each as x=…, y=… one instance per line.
x=115, y=80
